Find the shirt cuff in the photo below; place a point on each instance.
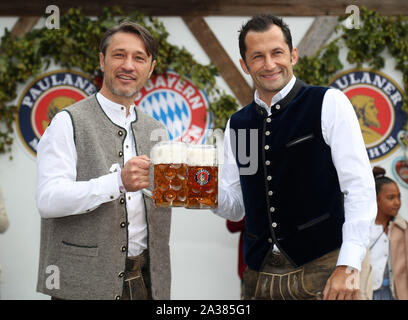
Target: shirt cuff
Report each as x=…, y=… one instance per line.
x=351, y=255
x=120, y=183
x=116, y=168
x=108, y=187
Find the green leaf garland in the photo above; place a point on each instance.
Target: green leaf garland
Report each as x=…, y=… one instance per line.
x=76, y=45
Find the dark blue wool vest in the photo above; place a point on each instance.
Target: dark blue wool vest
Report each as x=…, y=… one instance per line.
x=293, y=198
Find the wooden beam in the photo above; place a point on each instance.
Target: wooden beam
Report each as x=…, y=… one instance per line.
x=317, y=35
x=207, y=7
x=23, y=25
x=220, y=58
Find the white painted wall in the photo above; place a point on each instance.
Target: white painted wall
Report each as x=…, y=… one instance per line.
x=203, y=252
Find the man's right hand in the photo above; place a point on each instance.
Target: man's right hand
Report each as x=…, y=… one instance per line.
x=135, y=173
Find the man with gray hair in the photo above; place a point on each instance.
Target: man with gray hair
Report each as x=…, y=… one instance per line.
x=101, y=237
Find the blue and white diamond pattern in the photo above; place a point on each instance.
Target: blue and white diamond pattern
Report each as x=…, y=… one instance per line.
x=171, y=109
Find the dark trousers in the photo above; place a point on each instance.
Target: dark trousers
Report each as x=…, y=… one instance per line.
x=279, y=280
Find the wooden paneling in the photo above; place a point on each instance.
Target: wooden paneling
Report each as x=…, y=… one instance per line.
x=317, y=35
x=23, y=25
x=220, y=58
x=207, y=7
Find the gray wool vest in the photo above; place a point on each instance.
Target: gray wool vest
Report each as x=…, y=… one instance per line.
x=89, y=250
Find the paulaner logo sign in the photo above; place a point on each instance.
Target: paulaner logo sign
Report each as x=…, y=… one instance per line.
x=43, y=98
x=377, y=100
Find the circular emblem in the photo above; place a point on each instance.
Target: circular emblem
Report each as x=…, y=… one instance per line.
x=400, y=170
x=377, y=101
x=202, y=177
x=178, y=104
x=43, y=98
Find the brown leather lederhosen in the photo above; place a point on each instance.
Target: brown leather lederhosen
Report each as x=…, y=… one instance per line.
x=279, y=280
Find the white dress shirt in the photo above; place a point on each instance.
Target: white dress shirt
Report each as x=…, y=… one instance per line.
x=379, y=253
x=341, y=131
x=58, y=192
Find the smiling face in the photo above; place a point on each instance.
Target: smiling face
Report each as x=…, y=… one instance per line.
x=269, y=61
x=126, y=66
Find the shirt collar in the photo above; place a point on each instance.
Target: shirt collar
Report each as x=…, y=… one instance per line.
x=116, y=112
x=277, y=97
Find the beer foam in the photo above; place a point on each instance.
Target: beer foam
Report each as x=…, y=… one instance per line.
x=169, y=152
x=202, y=155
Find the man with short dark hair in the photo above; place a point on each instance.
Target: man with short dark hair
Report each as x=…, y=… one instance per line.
x=295, y=162
x=100, y=235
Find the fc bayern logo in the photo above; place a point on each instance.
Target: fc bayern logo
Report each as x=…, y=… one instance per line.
x=43, y=98
x=178, y=104
x=377, y=100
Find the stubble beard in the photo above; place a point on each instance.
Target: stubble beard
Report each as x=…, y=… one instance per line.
x=120, y=93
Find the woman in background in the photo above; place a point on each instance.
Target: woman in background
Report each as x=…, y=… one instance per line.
x=384, y=274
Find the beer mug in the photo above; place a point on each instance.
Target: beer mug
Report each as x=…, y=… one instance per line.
x=170, y=169
x=202, y=177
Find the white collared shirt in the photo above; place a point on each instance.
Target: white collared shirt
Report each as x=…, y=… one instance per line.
x=341, y=131
x=58, y=192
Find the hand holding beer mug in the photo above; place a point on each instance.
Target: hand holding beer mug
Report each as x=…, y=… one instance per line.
x=170, y=169
x=202, y=177
x=135, y=173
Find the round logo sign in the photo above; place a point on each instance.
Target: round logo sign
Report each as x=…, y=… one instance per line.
x=43, y=98
x=178, y=104
x=400, y=170
x=202, y=177
x=377, y=101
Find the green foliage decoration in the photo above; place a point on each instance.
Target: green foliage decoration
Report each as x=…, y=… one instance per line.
x=365, y=45
x=76, y=45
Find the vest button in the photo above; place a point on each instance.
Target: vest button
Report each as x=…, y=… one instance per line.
x=270, y=240
x=266, y=147
x=270, y=193
x=123, y=224
x=123, y=249
x=274, y=224
x=267, y=133
x=267, y=162
x=272, y=209
x=277, y=107
x=117, y=297
x=122, y=201
x=121, y=274
x=120, y=153
x=269, y=178
x=268, y=120
x=120, y=133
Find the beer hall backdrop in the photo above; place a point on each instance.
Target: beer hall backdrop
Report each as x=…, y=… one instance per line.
x=197, y=85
